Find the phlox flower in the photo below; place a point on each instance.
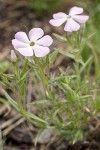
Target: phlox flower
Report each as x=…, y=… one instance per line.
x=34, y=43
x=72, y=19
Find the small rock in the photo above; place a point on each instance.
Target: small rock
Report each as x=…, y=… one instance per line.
x=45, y=136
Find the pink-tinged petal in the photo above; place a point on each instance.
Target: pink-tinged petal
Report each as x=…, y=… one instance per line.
x=71, y=25
x=75, y=11
x=41, y=51
x=57, y=22
x=35, y=34
x=59, y=15
x=45, y=41
x=80, y=18
x=27, y=51
x=22, y=37
x=17, y=44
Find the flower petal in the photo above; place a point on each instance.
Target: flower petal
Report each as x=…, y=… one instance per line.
x=57, y=22
x=21, y=36
x=41, y=51
x=75, y=11
x=71, y=25
x=17, y=44
x=45, y=41
x=80, y=18
x=35, y=34
x=27, y=51
x=59, y=15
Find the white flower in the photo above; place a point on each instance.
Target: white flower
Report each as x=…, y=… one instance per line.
x=73, y=19
x=36, y=43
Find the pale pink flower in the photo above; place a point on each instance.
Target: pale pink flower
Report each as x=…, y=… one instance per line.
x=34, y=43
x=72, y=19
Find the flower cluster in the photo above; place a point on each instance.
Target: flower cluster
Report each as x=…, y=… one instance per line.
x=38, y=44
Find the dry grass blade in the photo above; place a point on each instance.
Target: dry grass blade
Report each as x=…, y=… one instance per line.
x=5, y=109
x=11, y=127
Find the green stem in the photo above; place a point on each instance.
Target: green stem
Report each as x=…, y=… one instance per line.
x=69, y=41
x=77, y=72
x=44, y=78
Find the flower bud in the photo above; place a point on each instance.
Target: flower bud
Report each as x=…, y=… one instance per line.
x=13, y=56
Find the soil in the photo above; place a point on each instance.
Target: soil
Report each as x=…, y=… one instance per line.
x=20, y=135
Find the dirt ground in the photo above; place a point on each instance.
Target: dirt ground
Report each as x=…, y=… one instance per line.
x=20, y=135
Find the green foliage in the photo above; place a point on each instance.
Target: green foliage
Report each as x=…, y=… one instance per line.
x=4, y=66
x=45, y=7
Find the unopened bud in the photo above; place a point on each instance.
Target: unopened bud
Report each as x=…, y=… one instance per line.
x=13, y=56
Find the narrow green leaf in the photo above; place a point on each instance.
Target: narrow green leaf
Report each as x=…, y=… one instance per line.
x=53, y=56
x=11, y=101
x=67, y=54
x=10, y=76
x=85, y=64
x=24, y=68
x=60, y=38
x=36, y=118
x=38, y=102
x=2, y=100
x=23, y=78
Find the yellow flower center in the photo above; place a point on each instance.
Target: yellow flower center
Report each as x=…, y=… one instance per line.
x=68, y=17
x=32, y=44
